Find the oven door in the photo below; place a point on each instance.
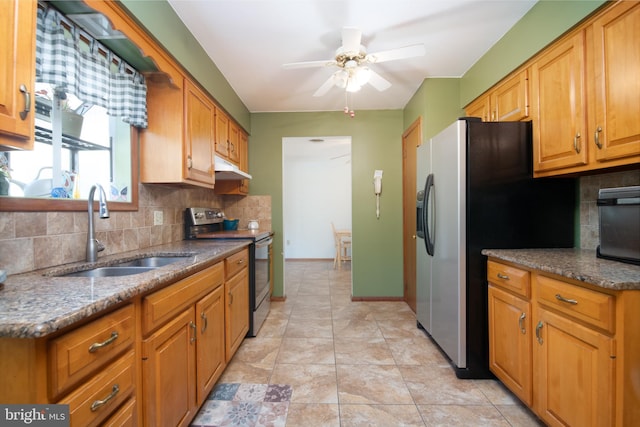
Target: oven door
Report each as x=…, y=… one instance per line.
x=260, y=303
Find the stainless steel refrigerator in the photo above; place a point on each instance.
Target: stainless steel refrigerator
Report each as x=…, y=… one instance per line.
x=476, y=192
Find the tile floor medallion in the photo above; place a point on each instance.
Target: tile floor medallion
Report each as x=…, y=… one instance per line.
x=245, y=405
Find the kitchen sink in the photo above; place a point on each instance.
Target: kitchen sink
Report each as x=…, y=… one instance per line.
x=153, y=261
x=109, y=271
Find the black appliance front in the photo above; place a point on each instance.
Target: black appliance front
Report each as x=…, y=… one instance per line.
x=506, y=209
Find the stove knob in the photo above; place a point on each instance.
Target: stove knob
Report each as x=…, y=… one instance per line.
x=198, y=215
x=219, y=214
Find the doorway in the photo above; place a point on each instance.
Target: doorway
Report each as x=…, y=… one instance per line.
x=316, y=191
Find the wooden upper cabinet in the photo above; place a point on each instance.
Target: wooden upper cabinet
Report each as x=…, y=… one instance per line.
x=17, y=73
x=510, y=99
x=615, y=131
x=222, y=134
x=481, y=107
x=559, y=128
x=199, y=135
x=506, y=102
x=234, y=143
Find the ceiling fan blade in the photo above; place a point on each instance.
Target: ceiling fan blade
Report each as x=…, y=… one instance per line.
x=328, y=84
x=399, y=53
x=309, y=64
x=351, y=38
x=378, y=82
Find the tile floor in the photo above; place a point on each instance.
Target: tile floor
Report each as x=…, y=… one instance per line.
x=361, y=363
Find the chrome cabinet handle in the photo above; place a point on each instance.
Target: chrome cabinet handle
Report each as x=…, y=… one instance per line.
x=568, y=301
x=576, y=146
x=27, y=102
x=503, y=276
x=189, y=162
x=205, y=323
x=98, y=403
x=98, y=345
x=597, y=137
x=521, y=323
x=538, y=328
x=193, y=329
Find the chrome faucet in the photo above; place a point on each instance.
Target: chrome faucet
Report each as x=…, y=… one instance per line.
x=93, y=245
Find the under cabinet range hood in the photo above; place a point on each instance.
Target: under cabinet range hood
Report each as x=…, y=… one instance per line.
x=226, y=170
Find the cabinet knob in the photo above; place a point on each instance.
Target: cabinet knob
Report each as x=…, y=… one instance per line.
x=98, y=345
x=597, y=137
x=538, y=329
x=27, y=102
x=98, y=403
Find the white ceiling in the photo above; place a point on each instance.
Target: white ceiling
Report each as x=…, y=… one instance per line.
x=249, y=40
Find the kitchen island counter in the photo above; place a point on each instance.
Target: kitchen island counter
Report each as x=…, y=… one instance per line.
x=41, y=302
x=577, y=264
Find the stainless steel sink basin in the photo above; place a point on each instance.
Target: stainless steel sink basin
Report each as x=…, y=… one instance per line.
x=109, y=272
x=153, y=261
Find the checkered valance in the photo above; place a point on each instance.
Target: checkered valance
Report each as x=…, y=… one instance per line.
x=88, y=70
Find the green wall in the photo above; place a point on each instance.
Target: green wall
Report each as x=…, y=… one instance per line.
x=545, y=22
x=159, y=18
x=376, y=143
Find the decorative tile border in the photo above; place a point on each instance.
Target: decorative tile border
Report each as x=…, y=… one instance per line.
x=245, y=405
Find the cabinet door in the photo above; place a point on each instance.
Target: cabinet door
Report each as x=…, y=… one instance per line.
x=210, y=345
x=616, y=132
x=199, y=136
x=234, y=141
x=559, y=97
x=510, y=342
x=236, y=311
x=243, y=142
x=169, y=372
x=480, y=108
x=510, y=100
x=222, y=134
x=576, y=370
x=17, y=56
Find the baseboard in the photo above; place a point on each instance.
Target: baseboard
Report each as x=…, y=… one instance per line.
x=377, y=298
x=279, y=299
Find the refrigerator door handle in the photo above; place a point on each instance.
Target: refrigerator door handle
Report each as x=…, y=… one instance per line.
x=429, y=233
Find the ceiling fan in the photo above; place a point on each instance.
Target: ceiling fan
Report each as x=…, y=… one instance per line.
x=352, y=61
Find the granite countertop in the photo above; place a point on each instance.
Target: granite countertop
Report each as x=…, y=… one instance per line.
x=577, y=264
x=38, y=303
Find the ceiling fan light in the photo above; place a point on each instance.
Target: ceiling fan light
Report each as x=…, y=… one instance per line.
x=363, y=75
x=340, y=78
x=353, y=85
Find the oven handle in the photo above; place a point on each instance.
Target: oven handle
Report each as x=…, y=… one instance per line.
x=264, y=242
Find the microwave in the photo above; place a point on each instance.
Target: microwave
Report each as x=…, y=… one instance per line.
x=619, y=224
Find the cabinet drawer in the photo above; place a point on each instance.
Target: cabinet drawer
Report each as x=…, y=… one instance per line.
x=511, y=278
x=103, y=394
x=164, y=304
x=125, y=417
x=80, y=352
x=236, y=262
x=593, y=307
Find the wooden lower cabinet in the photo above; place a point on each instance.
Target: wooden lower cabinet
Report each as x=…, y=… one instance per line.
x=575, y=368
x=169, y=373
x=570, y=351
x=236, y=312
x=510, y=357
x=210, y=349
x=182, y=360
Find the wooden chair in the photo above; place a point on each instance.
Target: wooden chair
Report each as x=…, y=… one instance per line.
x=342, y=240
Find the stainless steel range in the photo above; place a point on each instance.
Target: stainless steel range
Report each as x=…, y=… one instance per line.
x=206, y=223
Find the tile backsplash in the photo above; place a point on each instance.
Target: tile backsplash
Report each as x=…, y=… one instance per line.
x=589, y=186
x=34, y=240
